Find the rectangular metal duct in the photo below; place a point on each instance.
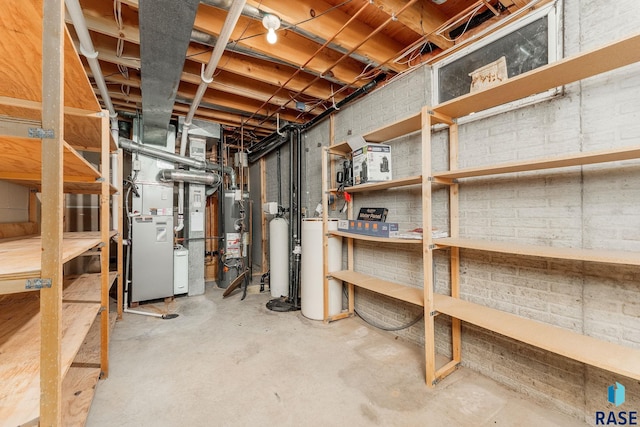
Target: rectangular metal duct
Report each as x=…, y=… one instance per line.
x=165, y=30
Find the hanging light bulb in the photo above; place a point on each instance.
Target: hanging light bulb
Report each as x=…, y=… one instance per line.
x=272, y=37
x=271, y=23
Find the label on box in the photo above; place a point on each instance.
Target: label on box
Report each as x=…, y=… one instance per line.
x=373, y=214
x=369, y=228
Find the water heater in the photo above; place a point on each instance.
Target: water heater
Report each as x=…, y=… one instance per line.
x=279, y=257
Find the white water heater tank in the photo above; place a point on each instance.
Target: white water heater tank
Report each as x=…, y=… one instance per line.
x=279, y=257
x=312, y=283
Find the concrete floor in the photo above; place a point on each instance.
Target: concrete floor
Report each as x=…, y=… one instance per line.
x=235, y=363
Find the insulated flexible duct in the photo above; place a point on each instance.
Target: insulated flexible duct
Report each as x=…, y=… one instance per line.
x=194, y=177
x=134, y=147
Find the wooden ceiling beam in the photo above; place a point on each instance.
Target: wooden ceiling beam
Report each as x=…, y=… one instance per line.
x=224, y=82
x=378, y=48
x=267, y=72
x=133, y=103
x=233, y=102
x=291, y=47
x=423, y=17
x=228, y=118
x=105, y=34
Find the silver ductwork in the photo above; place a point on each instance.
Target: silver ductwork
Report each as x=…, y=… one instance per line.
x=163, y=47
x=134, y=147
x=192, y=177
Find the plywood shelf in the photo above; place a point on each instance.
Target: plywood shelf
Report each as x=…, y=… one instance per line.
x=20, y=258
x=374, y=238
x=385, y=133
x=21, y=160
x=390, y=289
x=78, y=389
x=585, y=349
x=20, y=351
x=385, y=185
x=21, y=55
x=603, y=156
x=85, y=287
x=591, y=255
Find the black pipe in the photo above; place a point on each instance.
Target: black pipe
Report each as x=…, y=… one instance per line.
x=296, y=290
x=292, y=210
x=273, y=141
x=221, y=231
x=279, y=171
x=364, y=89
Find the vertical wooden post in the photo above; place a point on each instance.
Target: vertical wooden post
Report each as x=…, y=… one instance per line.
x=105, y=214
x=427, y=252
x=454, y=227
x=325, y=235
x=53, y=32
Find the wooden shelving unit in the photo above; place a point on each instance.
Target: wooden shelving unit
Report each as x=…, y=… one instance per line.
x=48, y=115
x=405, y=126
x=589, y=350
x=551, y=338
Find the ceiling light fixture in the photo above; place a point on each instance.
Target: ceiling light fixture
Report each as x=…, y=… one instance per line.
x=271, y=23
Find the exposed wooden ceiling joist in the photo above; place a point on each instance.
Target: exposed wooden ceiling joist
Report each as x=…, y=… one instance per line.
x=326, y=49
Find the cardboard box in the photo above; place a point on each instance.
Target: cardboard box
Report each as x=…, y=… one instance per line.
x=371, y=163
x=369, y=228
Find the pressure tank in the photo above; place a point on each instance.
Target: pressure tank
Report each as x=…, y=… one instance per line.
x=279, y=257
x=312, y=286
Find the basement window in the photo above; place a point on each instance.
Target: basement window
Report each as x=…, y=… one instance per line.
x=527, y=44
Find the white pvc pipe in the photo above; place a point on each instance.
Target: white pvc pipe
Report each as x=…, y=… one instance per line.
x=87, y=49
x=207, y=76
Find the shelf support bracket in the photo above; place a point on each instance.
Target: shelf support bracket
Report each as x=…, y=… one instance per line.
x=40, y=133
x=37, y=283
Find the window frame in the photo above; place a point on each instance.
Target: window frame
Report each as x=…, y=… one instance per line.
x=553, y=13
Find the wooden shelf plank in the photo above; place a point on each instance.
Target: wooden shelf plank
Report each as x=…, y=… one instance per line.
x=374, y=186
x=385, y=133
x=585, y=349
x=579, y=159
x=78, y=389
x=393, y=290
x=20, y=258
x=81, y=127
x=86, y=287
x=565, y=71
x=391, y=131
x=21, y=56
x=375, y=239
x=20, y=351
x=592, y=255
x=22, y=160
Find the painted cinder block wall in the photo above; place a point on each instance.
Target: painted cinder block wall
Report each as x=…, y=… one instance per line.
x=14, y=203
x=587, y=207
